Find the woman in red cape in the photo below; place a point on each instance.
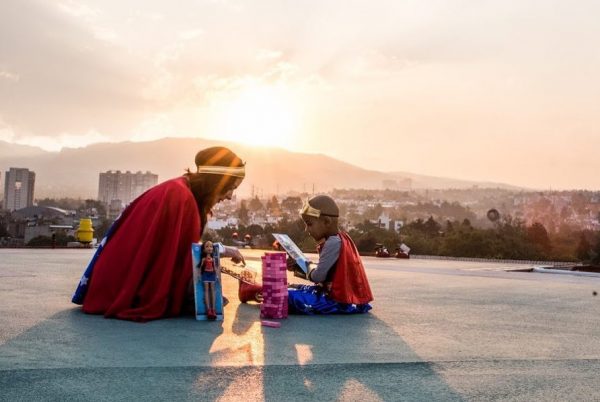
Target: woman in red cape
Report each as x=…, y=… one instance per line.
x=142, y=269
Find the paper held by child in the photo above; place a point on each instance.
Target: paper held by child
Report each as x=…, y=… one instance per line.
x=293, y=250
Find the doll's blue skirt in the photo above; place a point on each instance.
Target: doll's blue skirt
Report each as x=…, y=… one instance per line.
x=209, y=276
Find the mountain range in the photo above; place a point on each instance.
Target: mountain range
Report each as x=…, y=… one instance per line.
x=73, y=172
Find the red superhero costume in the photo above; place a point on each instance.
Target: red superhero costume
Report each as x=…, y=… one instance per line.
x=347, y=291
x=208, y=265
x=349, y=283
x=144, y=269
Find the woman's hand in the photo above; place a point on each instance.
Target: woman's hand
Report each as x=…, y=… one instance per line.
x=234, y=254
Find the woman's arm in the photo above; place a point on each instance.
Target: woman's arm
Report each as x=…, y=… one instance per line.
x=231, y=252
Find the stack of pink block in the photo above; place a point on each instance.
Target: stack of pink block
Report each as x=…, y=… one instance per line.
x=274, y=279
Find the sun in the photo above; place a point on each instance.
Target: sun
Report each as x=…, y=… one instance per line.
x=261, y=115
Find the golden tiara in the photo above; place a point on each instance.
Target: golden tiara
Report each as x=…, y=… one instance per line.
x=239, y=171
x=308, y=210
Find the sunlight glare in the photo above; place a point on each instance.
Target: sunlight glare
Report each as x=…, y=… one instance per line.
x=258, y=115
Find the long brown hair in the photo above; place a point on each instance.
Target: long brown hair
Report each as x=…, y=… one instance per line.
x=207, y=187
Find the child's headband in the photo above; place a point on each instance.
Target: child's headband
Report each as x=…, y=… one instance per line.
x=308, y=210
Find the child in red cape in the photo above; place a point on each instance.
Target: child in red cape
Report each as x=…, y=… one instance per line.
x=341, y=286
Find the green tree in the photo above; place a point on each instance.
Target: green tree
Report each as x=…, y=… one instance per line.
x=4, y=219
x=60, y=240
x=291, y=205
x=367, y=234
x=254, y=230
x=374, y=213
x=584, y=248
x=366, y=226
x=538, y=236
x=564, y=244
x=596, y=250
x=466, y=242
x=431, y=227
x=101, y=227
x=90, y=205
x=512, y=241
x=294, y=229
x=226, y=233
x=365, y=242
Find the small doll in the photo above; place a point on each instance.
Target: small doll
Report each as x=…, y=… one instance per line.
x=209, y=277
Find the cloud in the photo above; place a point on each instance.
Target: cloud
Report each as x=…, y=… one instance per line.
x=268, y=55
x=58, y=77
x=77, y=9
x=6, y=133
x=7, y=75
x=425, y=74
x=64, y=140
x=190, y=34
x=105, y=34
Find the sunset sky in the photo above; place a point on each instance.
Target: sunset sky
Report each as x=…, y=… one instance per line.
x=505, y=91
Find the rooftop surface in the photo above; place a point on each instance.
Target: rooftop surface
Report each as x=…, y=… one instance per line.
x=439, y=330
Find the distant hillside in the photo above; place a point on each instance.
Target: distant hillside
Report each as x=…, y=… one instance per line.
x=74, y=172
x=8, y=150
x=433, y=182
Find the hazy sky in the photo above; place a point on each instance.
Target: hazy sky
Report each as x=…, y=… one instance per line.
x=487, y=90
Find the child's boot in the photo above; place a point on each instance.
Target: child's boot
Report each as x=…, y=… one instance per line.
x=247, y=292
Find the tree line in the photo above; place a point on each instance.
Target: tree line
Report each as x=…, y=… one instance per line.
x=507, y=239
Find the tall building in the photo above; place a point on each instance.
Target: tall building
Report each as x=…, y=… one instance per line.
x=18, y=188
x=124, y=186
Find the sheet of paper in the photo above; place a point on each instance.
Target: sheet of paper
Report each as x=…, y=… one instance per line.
x=292, y=249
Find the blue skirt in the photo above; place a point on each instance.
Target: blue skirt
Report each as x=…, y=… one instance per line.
x=310, y=299
x=209, y=276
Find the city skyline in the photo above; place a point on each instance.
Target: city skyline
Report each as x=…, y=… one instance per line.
x=495, y=91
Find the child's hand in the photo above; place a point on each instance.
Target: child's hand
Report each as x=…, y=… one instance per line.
x=299, y=273
x=291, y=264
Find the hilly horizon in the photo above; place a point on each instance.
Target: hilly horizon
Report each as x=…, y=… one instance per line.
x=73, y=172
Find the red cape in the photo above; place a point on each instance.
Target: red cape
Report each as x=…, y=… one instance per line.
x=144, y=269
x=349, y=283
